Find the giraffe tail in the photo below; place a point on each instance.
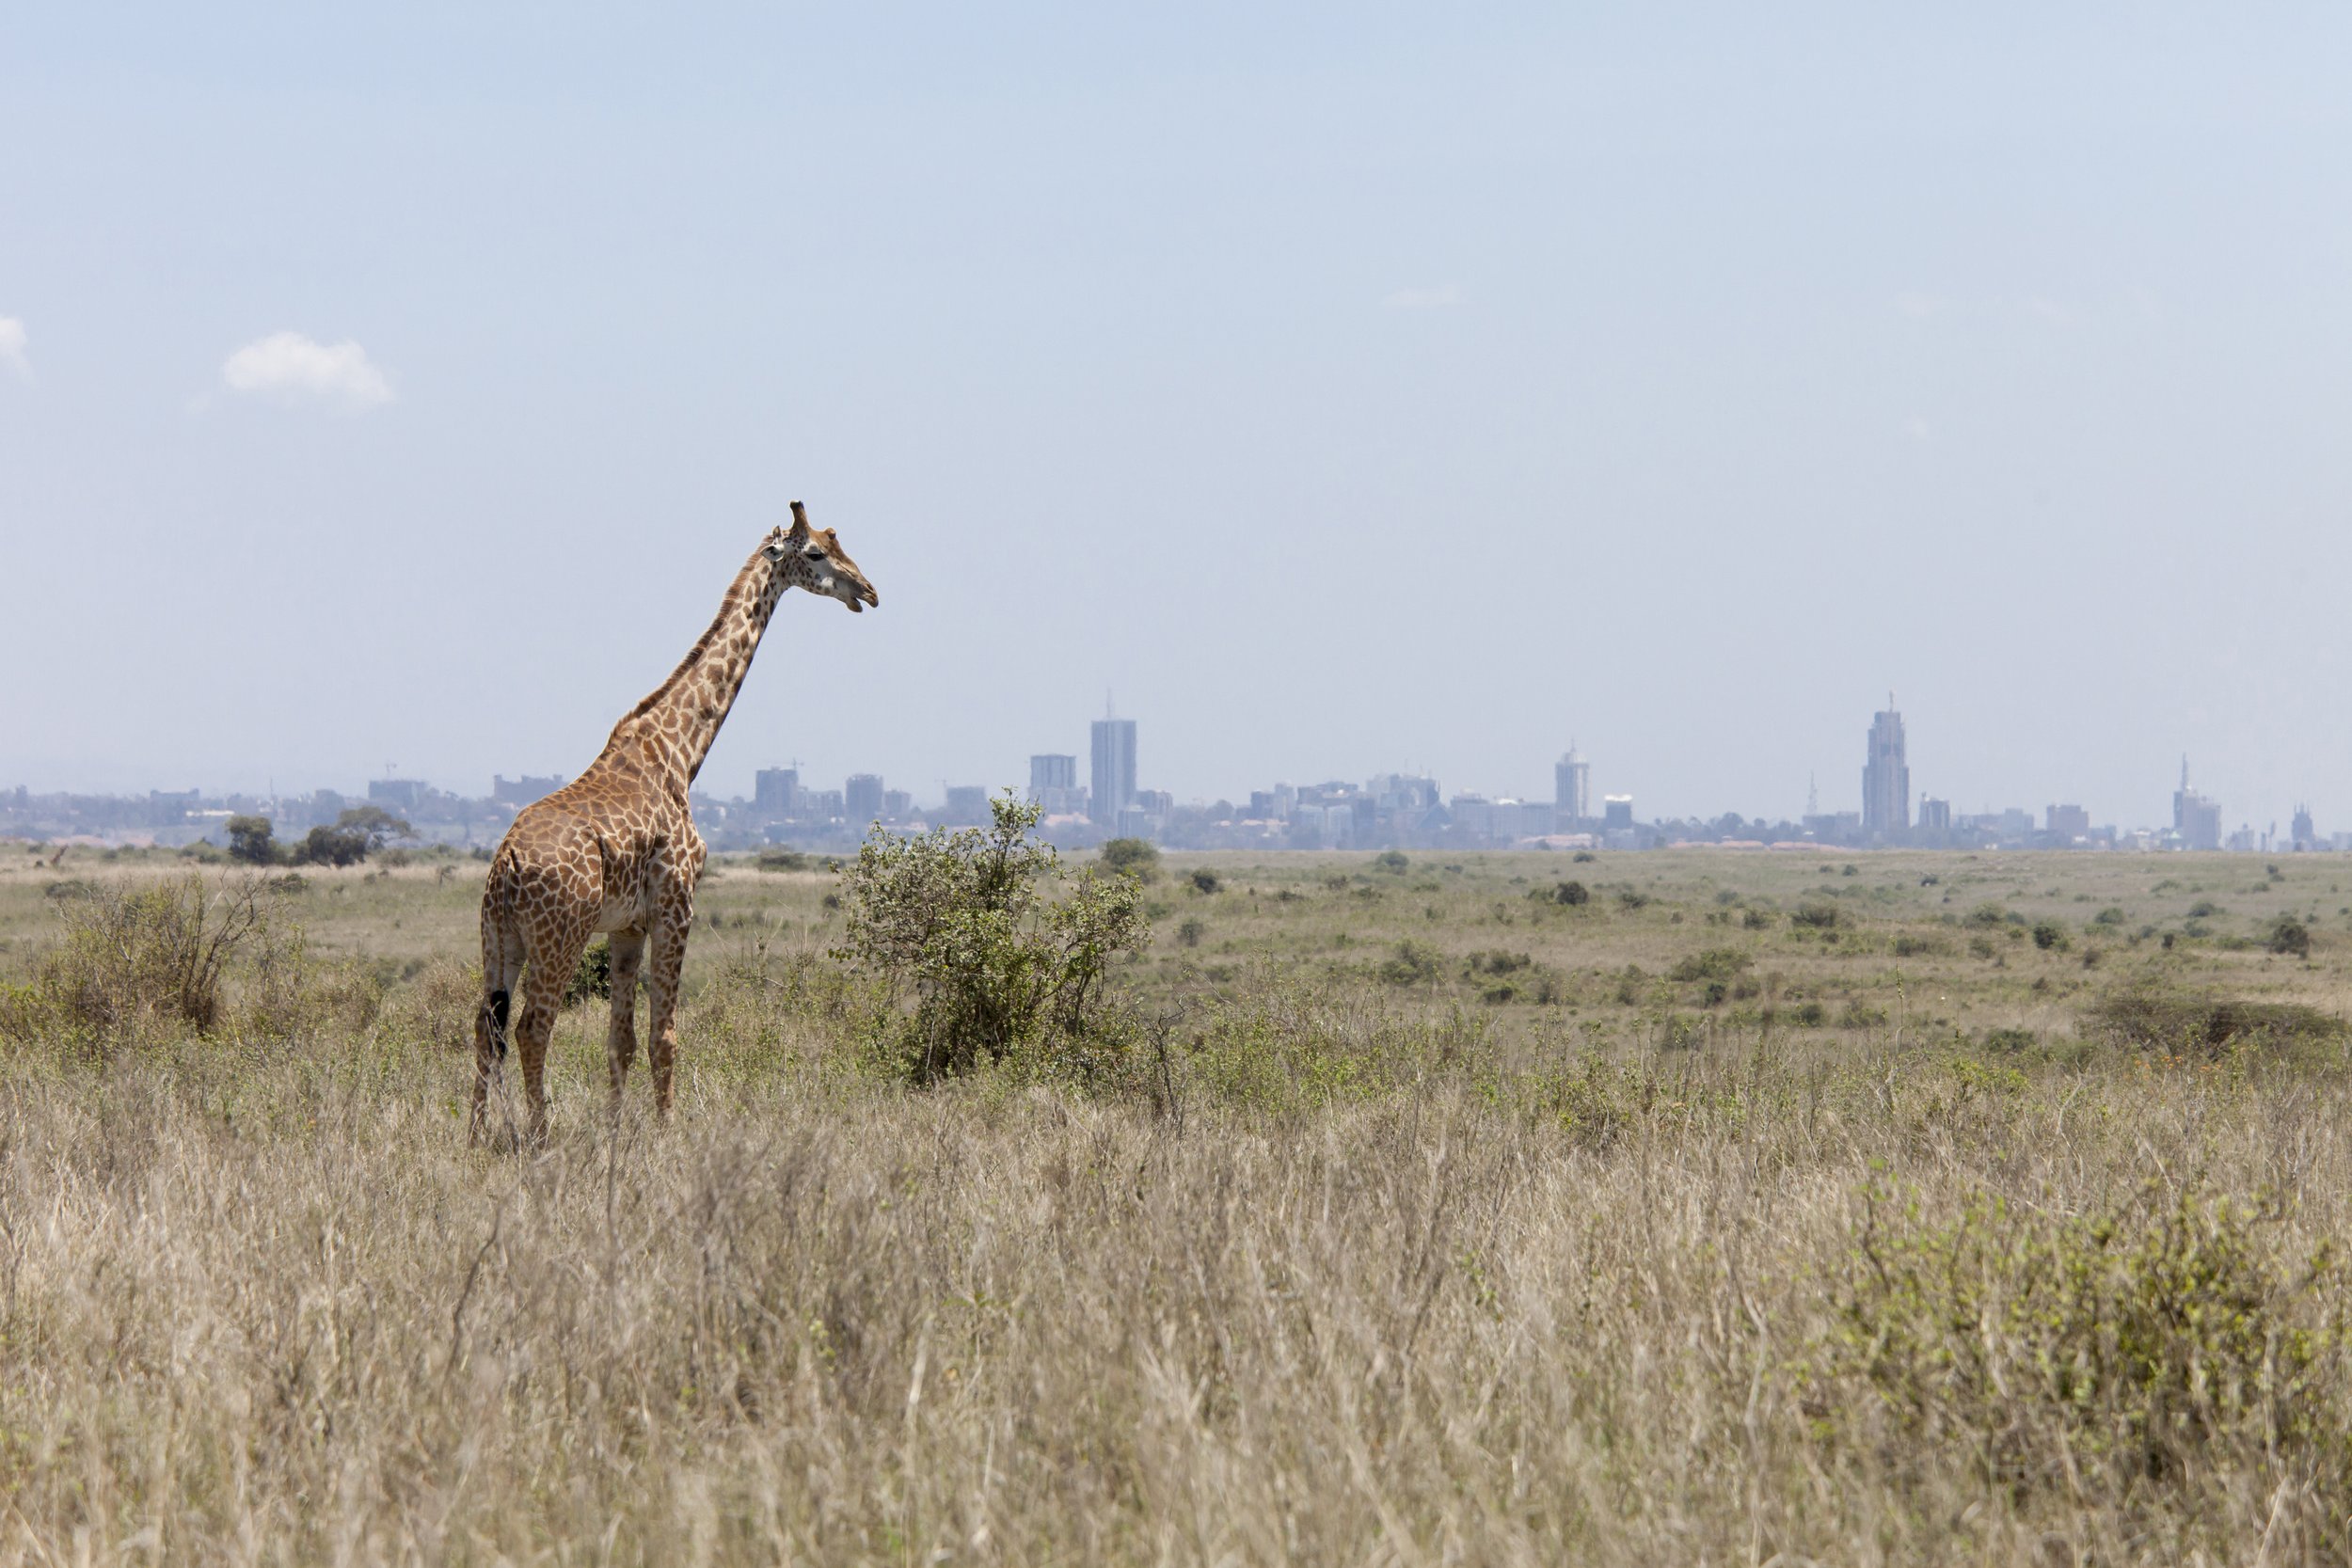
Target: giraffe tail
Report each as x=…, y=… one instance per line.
x=501, y=953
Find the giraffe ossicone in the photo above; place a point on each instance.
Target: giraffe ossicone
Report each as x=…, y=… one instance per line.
x=615, y=851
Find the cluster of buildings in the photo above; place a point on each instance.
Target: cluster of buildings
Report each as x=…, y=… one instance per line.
x=1388, y=811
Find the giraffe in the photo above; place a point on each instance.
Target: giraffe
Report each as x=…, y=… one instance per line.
x=616, y=849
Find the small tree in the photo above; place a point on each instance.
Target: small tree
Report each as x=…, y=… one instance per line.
x=2290, y=936
x=249, y=840
x=986, y=948
x=1139, y=858
x=359, y=831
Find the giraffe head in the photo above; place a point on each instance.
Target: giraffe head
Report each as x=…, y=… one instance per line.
x=813, y=559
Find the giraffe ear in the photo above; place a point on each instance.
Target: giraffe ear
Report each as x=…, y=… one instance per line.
x=800, y=523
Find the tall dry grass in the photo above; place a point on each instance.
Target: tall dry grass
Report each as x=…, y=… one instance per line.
x=1338, y=1272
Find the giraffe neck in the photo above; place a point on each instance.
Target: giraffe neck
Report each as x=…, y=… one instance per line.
x=677, y=723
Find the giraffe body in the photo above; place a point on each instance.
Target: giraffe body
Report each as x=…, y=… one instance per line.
x=615, y=851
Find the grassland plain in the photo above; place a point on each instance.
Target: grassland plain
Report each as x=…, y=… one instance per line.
x=1725, y=1207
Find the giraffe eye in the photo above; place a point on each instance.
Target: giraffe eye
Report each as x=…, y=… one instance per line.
x=815, y=552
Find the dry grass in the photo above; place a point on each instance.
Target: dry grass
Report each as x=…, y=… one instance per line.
x=1366, y=1273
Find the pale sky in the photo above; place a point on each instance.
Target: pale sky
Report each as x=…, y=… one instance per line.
x=1348, y=389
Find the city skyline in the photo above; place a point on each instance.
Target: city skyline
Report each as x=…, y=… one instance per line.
x=1393, y=808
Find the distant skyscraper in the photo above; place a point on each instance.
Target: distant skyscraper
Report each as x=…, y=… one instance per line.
x=2195, y=817
x=862, y=798
x=1886, y=778
x=776, y=792
x=1572, y=787
x=1113, y=779
x=2306, y=836
x=966, y=806
x=1052, y=770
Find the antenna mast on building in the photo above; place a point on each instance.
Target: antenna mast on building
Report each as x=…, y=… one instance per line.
x=1812, y=797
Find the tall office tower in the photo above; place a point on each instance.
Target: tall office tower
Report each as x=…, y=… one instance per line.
x=1572, y=787
x=1114, y=775
x=776, y=792
x=1052, y=770
x=862, y=798
x=2195, y=817
x=1886, y=778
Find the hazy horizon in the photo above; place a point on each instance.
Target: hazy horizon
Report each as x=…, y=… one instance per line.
x=1347, y=392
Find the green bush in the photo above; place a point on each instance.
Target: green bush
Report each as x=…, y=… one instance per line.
x=2289, y=936
x=1818, y=914
x=1391, y=861
x=1411, y=964
x=1204, y=880
x=2114, y=1349
x=781, y=858
x=1139, y=858
x=2159, y=1016
x=1716, y=963
x=592, y=975
x=1574, y=895
x=2050, y=935
x=143, y=961
x=985, y=949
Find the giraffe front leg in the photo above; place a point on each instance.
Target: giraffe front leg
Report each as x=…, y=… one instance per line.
x=663, y=976
x=620, y=1046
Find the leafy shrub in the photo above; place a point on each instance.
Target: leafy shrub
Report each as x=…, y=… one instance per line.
x=1574, y=895
x=1715, y=963
x=1411, y=964
x=2111, y=915
x=985, y=949
x=1139, y=858
x=1498, y=963
x=1988, y=914
x=2205, y=908
x=2115, y=1349
x=2050, y=935
x=2288, y=935
x=2010, y=1039
x=1204, y=880
x=1916, y=947
x=781, y=858
x=142, y=961
x=1190, y=932
x=1818, y=914
x=592, y=975
x=1756, y=919
x=1391, y=861
x=1584, y=857
x=2168, y=1018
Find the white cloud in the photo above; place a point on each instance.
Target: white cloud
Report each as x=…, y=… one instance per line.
x=296, y=369
x=12, y=347
x=1423, y=299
